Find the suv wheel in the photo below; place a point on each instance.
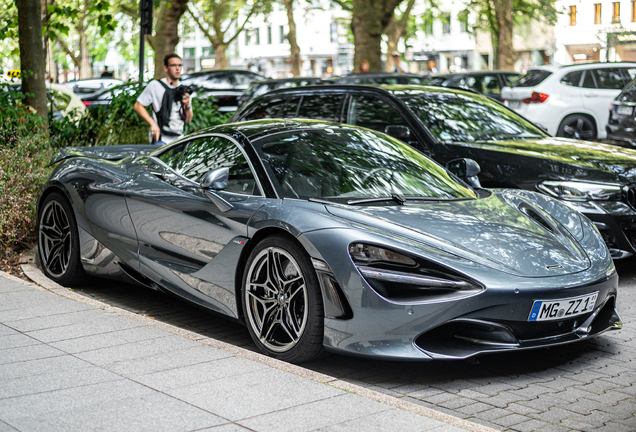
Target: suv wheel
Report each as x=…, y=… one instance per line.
x=577, y=126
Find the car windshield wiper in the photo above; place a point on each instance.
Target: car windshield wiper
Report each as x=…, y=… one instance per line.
x=401, y=199
x=395, y=197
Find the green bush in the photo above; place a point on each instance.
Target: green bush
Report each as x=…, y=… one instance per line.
x=206, y=114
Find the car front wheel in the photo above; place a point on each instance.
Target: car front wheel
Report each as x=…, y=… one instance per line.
x=282, y=301
x=58, y=241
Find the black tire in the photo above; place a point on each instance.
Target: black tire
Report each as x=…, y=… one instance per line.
x=58, y=241
x=577, y=126
x=283, y=311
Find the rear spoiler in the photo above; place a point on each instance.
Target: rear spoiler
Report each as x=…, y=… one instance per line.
x=111, y=153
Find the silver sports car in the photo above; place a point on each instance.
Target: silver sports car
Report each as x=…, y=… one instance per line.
x=324, y=237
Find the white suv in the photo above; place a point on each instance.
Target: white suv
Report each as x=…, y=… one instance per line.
x=570, y=101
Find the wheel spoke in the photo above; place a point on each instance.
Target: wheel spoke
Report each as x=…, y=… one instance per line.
x=292, y=325
x=587, y=134
x=269, y=323
x=264, y=301
x=579, y=125
x=569, y=130
x=54, y=255
x=300, y=288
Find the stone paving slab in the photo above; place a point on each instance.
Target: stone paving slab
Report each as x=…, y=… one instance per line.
x=102, y=368
x=586, y=386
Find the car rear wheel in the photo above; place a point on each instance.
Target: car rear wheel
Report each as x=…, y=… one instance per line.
x=58, y=241
x=577, y=126
x=282, y=301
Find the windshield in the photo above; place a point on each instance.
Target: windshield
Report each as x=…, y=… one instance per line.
x=344, y=164
x=463, y=117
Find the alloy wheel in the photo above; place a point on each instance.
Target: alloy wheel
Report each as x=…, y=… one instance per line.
x=276, y=299
x=55, y=239
x=580, y=129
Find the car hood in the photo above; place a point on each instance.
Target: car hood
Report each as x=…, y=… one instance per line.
x=492, y=231
x=588, y=161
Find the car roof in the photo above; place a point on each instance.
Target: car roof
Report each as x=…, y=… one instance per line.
x=282, y=80
x=218, y=71
x=473, y=73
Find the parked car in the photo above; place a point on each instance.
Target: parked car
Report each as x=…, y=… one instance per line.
x=105, y=97
x=225, y=85
x=488, y=83
x=379, y=78
x=257, y=88
x=90, y=87
x=596, y=179
x=570, y=101
x=320, y=236
x=621, y=125
x=61, y=101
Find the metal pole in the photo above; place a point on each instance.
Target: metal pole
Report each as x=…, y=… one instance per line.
x=141, y=52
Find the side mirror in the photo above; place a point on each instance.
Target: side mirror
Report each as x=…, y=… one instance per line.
x=466, y=169
x=216, y=179
x=398, y=131
x=213, y=181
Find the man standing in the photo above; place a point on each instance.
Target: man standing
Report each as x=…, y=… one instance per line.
x=398, y=64
x=170, y=113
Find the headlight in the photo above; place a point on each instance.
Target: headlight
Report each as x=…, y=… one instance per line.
x=581, y=191
x=404, y=279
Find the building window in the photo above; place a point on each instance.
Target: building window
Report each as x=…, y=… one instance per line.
x=269, y=35
x=257, y=33
x=446, y=24
x=207, y=51
x=189, y=52
x=633, y=11
x=247, y=37
x=597, y=13
x=462, y=17
x=333, y=33
x=572, y=15
x=282, y=34
x=616, y=12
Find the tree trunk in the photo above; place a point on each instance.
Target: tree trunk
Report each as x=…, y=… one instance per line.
x=84, y=65
x=32, y=55
x=505, y=51
x=220, y=59
x=294, y=49
x=166, y=35
x=394, y=31
x=370, y=18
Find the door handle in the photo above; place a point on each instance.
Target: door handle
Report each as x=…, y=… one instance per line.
x=588, y=94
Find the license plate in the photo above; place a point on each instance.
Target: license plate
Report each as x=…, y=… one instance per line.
x=561, y=309
x=624, y=110
x=514, y=104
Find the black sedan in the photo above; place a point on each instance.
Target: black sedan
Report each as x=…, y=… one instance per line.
x=621, y=125
x=598, y=180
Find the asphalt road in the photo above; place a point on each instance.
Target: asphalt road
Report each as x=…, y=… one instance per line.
x=588, y=386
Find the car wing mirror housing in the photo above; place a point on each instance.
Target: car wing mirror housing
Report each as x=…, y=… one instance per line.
x=214, y=181
x=398, y=131
x=466, y=169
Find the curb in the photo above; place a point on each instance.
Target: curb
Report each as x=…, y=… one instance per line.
x=42, y=283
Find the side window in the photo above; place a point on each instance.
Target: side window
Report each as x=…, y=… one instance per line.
x=630, y=73
x=572, y=79
x=205, y=154
x=373, y=113
x=588, y=80
x=490, y=84
x=273, y=108
x=172, y=156
x=473, y=83
x=321, y=107
x=60, y=100
x=609, y=78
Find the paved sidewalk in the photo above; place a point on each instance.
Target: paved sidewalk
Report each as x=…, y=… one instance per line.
x=69, y=363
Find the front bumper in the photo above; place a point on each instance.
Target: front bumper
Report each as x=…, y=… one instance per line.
x=494, y=320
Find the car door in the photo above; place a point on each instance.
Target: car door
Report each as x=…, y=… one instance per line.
x=608, y=83
x=188, y=244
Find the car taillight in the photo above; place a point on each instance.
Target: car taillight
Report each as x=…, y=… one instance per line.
x=87, y=103
x=536, y=98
